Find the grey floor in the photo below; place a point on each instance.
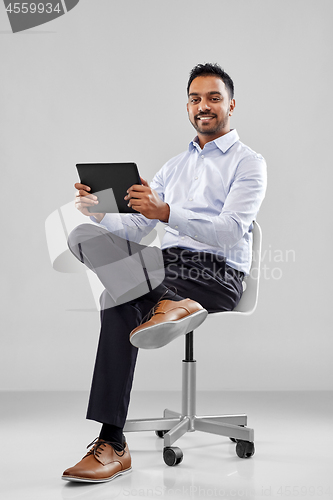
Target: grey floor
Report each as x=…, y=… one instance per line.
x=44, y=433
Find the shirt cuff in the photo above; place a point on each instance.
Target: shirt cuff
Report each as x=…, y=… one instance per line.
x=112, y=222
x=178, y=219
x=186, y=222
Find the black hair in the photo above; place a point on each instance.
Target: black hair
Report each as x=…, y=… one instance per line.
x=209, y=69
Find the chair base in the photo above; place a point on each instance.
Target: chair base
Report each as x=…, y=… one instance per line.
x=176, y=425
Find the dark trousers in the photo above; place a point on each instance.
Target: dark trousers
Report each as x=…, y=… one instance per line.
x=200, y=276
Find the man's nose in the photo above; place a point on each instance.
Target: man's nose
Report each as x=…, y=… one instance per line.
x=203, y=106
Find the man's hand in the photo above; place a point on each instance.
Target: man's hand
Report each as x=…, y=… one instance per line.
x=146, y=201
x=84, y=200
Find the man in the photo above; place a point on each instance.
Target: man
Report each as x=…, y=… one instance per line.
x=207, y=197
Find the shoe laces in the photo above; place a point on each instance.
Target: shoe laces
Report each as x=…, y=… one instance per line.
x=153, y=311
x=99, y=445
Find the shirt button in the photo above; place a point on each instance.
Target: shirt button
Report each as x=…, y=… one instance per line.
x=190, y=199
x=202, y=156
x=176, y=227
x=183, y=238
x=195, y=236
x=195, y=178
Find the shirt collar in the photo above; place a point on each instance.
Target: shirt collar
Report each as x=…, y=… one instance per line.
x=223, y=143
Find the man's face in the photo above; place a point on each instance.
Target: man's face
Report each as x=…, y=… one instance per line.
x=209, y=107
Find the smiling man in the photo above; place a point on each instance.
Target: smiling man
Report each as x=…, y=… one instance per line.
x=207, y=199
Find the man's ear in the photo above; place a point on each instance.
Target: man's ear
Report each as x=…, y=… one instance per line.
x=232, y=106
x=187, y=106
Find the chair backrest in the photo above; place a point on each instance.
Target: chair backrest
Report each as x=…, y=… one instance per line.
x=249, y=299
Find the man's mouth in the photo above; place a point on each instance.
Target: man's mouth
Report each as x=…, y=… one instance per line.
x=204, y=118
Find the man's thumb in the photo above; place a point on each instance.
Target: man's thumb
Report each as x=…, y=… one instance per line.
x=144, y=183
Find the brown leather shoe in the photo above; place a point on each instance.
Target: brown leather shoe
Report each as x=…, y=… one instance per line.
x=101, y=463
x=170, y=320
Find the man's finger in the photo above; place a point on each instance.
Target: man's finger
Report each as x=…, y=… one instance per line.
x=135, y=197
x=137, y=187
x=135, y=206
x=89, y=203
x=84, y=194
x=135, y=201
x=78, y=186
x=86, y=200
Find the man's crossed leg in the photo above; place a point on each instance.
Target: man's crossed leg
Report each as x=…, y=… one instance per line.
x=149, y=300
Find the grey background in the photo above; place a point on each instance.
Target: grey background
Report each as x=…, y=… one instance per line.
x=107, y=82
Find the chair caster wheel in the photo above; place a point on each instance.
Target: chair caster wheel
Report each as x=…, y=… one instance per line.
x=244, y=449
x=172, y=455
x=160, y=434
x=234, y=440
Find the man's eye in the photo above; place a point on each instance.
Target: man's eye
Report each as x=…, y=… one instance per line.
x=215, y=99
x=193, y=101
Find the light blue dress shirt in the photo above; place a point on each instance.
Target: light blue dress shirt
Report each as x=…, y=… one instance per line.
x=214, y=195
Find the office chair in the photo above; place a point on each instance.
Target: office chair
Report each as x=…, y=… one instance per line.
x=173, y=424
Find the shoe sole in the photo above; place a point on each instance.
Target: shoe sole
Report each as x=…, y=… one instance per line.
x=159, y=335
x=88, y=480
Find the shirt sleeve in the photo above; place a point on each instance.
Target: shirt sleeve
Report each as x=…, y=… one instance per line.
x=241, y=206
x=128, y=226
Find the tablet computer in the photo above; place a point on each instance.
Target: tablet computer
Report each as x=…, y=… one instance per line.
x=109, y=182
